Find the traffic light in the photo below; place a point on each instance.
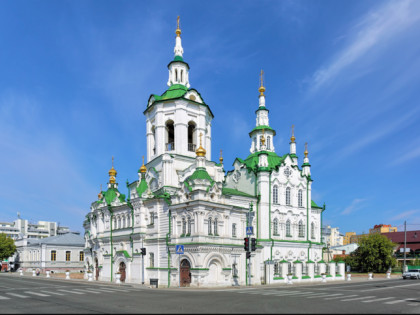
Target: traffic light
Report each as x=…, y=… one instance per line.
x=253, y=244
x=143, y=251
x=248, y=255
x=246, y=244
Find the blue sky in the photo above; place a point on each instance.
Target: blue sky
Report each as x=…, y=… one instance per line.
x=75, y=77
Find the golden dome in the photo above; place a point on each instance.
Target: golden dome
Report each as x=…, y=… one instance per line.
x=178, y=30
x=112, y=173
x=100, y=193
x=143, y=168
x=200, y=151
x=262, y=88
x=306, y=150
x=221, y=157
x=293, y=134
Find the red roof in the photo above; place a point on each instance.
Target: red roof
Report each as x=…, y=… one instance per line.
x=398, y=237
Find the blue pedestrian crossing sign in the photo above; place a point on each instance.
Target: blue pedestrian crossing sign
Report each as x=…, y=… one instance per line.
x=249, y=230
x=179, y=249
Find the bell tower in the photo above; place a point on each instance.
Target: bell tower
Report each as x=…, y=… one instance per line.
x=175, y=119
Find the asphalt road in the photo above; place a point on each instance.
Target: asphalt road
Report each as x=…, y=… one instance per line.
x=32, y=295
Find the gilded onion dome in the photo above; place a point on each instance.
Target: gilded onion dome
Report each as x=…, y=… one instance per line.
x=143, y=168
x=200, y=151
x=178, y=30
x=306, y=150
x=293, y=134
x=112, y=173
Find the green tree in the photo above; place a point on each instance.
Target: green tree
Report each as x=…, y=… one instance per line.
x=7, y=246
x=375, y=253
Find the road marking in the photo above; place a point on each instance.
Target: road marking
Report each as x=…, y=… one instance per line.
x=68, y=291
x=340, y=297
x=317, y=295
x=18, y=295
x=106, y=290
x=399, y=301
x=285, y=293
x=36, y=293
x=4, y=298
x=359, y=298
x=326, y=294
x=376, y=300
x=54, y=293
x=391, y=287
x=88, y=290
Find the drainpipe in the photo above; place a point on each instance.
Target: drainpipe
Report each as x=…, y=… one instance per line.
x=307, y=214
x=269, y=217
x=112, y=246
x=167, y=247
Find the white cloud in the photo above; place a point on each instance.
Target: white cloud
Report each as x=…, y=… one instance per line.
x=377, y=27
x=356, y=204
x=404, y=215
x=409, y=155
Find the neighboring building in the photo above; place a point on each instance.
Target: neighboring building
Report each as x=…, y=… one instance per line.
x=383, y=228
x=56, y=253
x=21, y=228
x=331, y=236
x=182, y=197
x=412, y=244
x=341, y=251
x=347, y=238
x=356, y=238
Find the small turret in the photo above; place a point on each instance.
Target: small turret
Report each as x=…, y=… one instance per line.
x=306, y=167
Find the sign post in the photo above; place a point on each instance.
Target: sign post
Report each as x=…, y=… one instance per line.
x=179, y=249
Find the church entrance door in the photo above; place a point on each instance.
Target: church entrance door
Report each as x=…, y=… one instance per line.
x=185, y=273
x=122, y=271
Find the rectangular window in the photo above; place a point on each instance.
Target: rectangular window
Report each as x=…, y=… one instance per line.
x=82, y=256
x=67, y=255
x=234, y=230
x=152, y=260
x=53, y=255
x=152, y=218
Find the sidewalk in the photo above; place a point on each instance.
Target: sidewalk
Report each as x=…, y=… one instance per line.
x=354, y=278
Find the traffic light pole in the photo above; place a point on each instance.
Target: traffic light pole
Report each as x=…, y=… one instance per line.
x=249, y=270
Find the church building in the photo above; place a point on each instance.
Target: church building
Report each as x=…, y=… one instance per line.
x=183, y=197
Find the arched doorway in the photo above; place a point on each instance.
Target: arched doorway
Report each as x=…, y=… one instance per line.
x=96, y=269
x=122, y=271
x=185, y=273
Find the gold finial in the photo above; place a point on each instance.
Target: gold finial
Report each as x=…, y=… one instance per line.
x=100, y=193
x=200, y=151
x=262, y=88
x=306, y=149
x=293, y=134
x=178, y=30
x=263, y=138
x=221, y=157
x=143, y=168
x=112, y=173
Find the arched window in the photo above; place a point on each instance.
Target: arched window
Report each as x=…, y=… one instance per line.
x=215, y=227
x=255, y=143
x=288, y=228
x=170, y=144
x=300, y=202
x=176, y=75
x=276, y=227
x=233, y=229
x=191, y=136
x=288, y=196
x=268, y=142
x=182, y=75
x=209, y=226
x=275, y=194
x=153, y=145
x=312, y=230
x=189, y=226
x=184, y=226
x=152, y=260
x=301, y=229
x=261, y=142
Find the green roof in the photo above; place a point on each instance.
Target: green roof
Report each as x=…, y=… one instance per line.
x=142, y=187
x=174, y=91
x=231, y=191
x=314, y=205
x=178, y=58
x=111, y=194
x=274, y=161
x=200, y=173
x=262, y=127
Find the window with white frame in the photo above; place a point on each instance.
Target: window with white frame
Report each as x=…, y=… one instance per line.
x=300, y=199
x=184, y=226
x=215, y=226
x=288, y=233
x=288, y=196
x=209, y=226
x=275, y=227
x=301, y=229
x=268, y=142
x=233, y=229
x=189, y=226
x=151, y=260
x=312, y=230
x=275, y=194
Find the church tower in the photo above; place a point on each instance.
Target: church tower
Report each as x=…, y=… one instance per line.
x=175, y=119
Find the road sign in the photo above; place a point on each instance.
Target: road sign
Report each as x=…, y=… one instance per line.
x=249, y=230
x=179, y=249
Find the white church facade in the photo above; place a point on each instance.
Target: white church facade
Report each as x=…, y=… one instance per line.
x=182, y=197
